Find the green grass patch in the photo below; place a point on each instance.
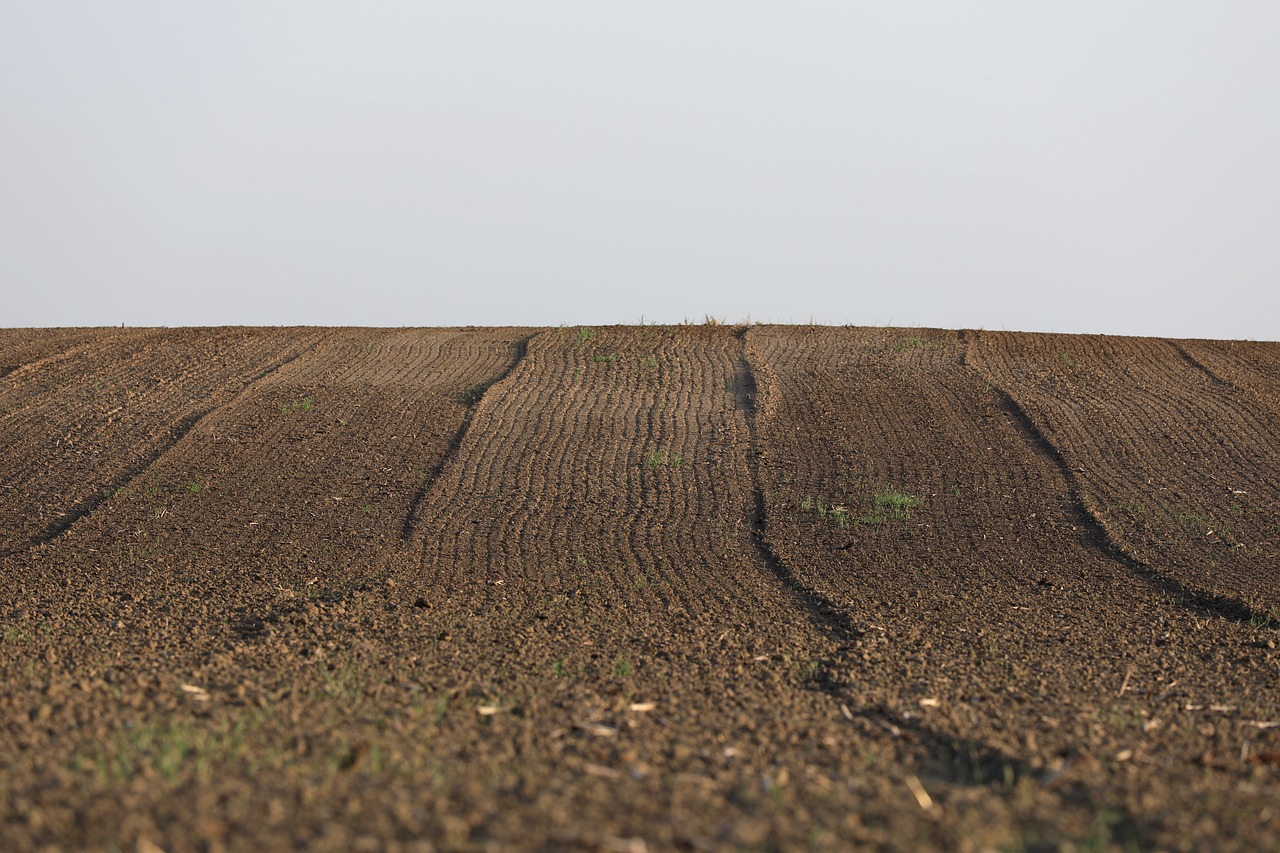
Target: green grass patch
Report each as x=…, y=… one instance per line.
x=837, y=515
x=472, y=395
x=663, y=459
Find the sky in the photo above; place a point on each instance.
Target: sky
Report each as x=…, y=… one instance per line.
x=1087, y=166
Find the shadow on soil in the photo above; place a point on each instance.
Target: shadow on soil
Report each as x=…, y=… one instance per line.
x=1198, y=365
x=1196, y=601
x=941, y=758
x=251, y=624
x=469, y=398
x=817, y=606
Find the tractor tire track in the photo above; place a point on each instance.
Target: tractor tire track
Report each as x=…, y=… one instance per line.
x=996, y=545
x=471, y=398
x=819, y=607
x=1196, y=600
x=1179, y=466
x=652, y=597
x=1249, y=366
x=301, y=481
x=174, y=434
x=26, y=351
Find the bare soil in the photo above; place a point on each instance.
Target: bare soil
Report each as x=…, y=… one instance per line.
x=637, y=588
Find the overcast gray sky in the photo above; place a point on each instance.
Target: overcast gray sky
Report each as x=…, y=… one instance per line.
x=1051, y=166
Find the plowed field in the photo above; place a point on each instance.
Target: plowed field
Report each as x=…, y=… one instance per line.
x=637, y=588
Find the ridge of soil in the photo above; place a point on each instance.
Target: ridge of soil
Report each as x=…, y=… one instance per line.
x=1178, y=465
x=637, y=588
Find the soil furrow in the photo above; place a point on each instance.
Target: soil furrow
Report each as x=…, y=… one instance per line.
x=471, y=397
x=175, y=434
x=818, y=606
x=1199, y=365
x=639, y=588
x=26, y=351
x=110, y=358
x=1179, y=468
x=105, y=426
x=1197, y=600
x=302, y=481
x=596, y=521
x=92, y=501
x=1250, y=365
x=946, y=526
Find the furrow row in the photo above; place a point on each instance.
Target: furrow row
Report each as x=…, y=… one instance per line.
x=297, y=482
x=900, y=486
x=28, y=350
x=1180, y=468
x=1248, y=365
x=113, y=416
x=608, y=466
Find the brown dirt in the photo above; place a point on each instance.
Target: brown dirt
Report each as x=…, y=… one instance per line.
x=1179, y=467
x=635, y=588
x=82, y=422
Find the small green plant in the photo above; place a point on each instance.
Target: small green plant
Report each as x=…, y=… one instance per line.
x=813, y=671
x=1263, y=616
x=369, y=509
x=896, y=504
x=663, y=458
x=195, y=487
x=584, y=335
x=344, y=682
x=650, y=361
x=640, y=582
x=303, y=405
x=622, y=667
x=909, y=343
x=605, y=358
x=1066, y=359
x=838, y=515
x=557, y=667
x=472, y=395
x=890, y=506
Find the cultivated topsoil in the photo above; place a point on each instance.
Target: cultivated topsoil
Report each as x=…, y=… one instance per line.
x=637, y=588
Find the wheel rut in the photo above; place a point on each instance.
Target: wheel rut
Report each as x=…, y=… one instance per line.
x=1201, y=366
x=644, y=592
x=471, y=398
x=815, y=605
x=175, y=434
x=1170, y=465
x=61, y=347
x=1101, y=540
